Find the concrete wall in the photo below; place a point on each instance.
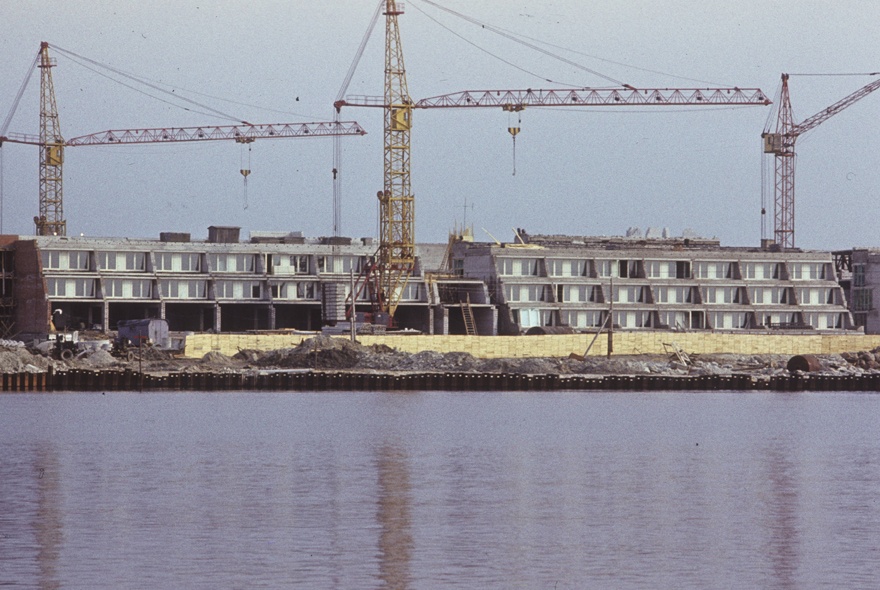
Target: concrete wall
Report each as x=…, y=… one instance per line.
x=560, y=345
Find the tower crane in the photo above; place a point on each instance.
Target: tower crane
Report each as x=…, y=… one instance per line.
x=781, y=143
x=50, y=220
x=395, y=257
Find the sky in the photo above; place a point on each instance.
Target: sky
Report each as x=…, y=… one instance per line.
x=578, y=171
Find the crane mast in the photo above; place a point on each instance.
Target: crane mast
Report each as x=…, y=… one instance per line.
x=386, y=276
x=781, y=144
x=396, y=255
x=51, y=221
x=51, y=218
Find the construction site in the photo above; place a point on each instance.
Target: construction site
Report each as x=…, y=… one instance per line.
x=445, y=296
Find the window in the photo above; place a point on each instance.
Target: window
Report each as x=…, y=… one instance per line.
x=129, y=261
x=178, y=262
x=713, y=270
x=580, y=293
x=300, y=264
x=675, y=319
x=805, y=271
x=762, y=271
x=769, y=295
x=778, y=319
x=84, y=288
x=606, y=268
x=667, y=269
x=816, y=296
x=674, y=294
x=567, y=268
x=728, y=320
x=238, y=290
x=718, y=295
x=582, y=319
x=824, y=321
x=183, y=289
x=516, y=293
x=518, y=266
x=128, y=288
x=293, y=291
x=233, y=262
x=65, y=260
x=632, y=294
x=412, y=292
x=340, y=264
x=633, y=319
x=863, y=299
x=528, y=318
x=858, y=276
x=627, y=268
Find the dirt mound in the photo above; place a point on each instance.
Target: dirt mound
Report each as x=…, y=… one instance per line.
x=320, y=352
x=216, y=358
x=100, y=359
x=17, y=359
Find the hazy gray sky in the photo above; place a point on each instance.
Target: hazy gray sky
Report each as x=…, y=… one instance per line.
x=578, y=171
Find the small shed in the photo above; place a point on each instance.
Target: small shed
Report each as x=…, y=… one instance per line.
x=152, y=331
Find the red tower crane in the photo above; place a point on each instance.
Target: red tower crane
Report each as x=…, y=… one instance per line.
x=50, y=220
x=781, y=142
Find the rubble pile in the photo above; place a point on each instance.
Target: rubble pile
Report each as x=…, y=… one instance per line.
x=326, y=353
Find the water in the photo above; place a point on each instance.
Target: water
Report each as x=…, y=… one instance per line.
x=440, y=490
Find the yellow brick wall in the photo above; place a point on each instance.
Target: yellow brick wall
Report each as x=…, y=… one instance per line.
x=559, y=345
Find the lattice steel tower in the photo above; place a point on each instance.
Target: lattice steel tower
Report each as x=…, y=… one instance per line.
x=51, y=218
x=396, y=256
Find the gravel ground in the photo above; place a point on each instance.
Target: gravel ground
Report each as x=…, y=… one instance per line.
x=323, y=352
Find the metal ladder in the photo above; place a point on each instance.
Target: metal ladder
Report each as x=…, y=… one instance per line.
x=467, y=313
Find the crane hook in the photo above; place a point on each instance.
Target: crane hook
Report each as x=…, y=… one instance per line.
x=245, y=171
x=513, y=131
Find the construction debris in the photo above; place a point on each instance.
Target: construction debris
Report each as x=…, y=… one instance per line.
x=327, y=353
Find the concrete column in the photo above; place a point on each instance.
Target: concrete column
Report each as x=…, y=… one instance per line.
x=217, y=326
x=105, y=322
x=271, y=317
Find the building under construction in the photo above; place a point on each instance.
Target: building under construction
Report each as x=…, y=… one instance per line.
x=284, y=281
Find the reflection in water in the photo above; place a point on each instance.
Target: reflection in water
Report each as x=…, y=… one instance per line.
x=48, y=522
x=31, y=515
x=784, y=542
x=538, y=490
x=395, y=539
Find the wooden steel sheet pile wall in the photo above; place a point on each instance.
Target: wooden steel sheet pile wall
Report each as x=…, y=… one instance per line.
x=296, y=381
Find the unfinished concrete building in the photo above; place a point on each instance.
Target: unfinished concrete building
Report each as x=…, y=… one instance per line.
x=655, y=284
x=284, y=281
x=859, y=271
x=274, y=281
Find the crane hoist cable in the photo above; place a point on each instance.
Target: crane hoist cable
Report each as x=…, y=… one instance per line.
x=515, y=39
x=514, y=130
x=80, y=59
x=245, y=170
x=337, y=145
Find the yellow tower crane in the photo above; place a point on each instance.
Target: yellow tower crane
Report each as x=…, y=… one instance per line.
x=396, y=255
x=50, y=221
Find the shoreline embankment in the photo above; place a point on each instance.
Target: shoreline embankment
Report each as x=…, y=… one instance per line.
x=84, y=380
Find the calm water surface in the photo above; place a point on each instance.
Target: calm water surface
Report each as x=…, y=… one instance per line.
x=440, y=490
